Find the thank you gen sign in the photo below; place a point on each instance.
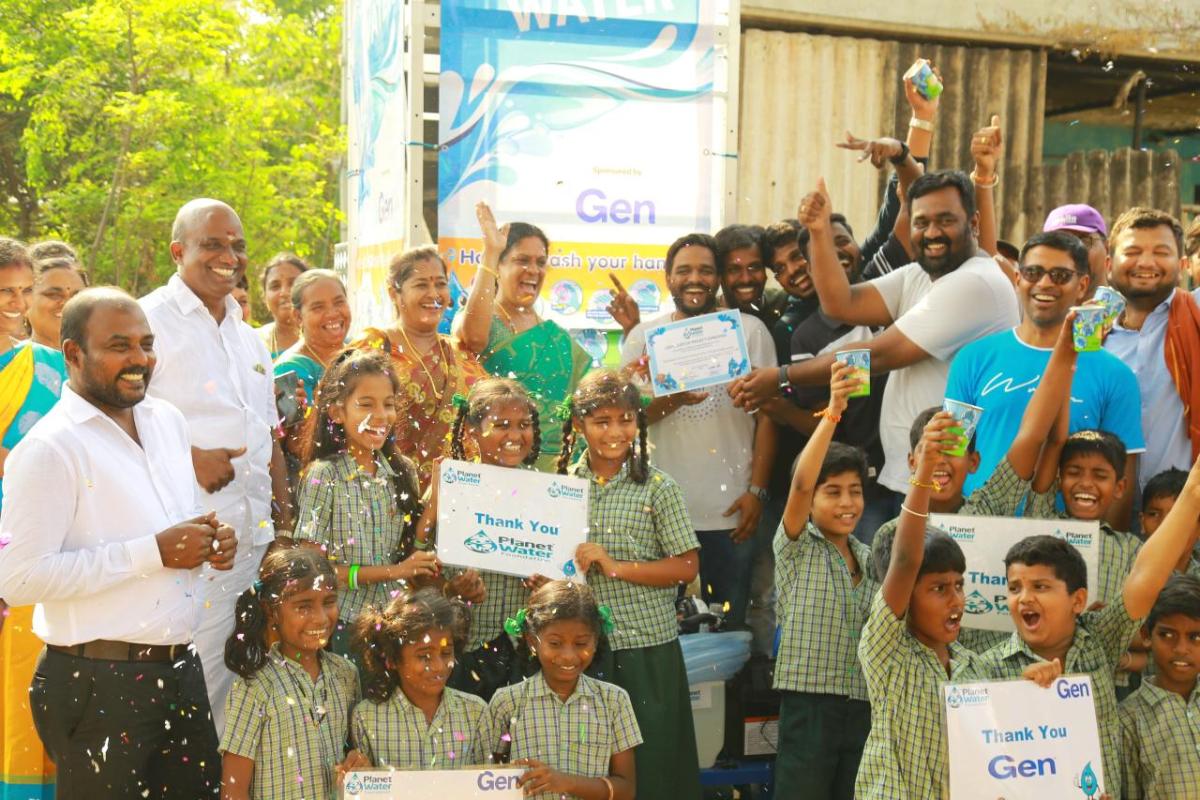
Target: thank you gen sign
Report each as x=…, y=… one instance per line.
x=1018, y=741
x=514, y=521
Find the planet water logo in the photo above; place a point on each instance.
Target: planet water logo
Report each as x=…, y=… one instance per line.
x=967, y=696
x=480, y=542
x=557, y=490
x=368, y=785
x=568, y=569
x=465, y=477
x=978, y=604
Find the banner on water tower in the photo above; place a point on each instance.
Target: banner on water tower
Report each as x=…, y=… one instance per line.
x=603, y=122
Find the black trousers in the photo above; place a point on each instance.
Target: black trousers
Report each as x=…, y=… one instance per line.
x=140, y=730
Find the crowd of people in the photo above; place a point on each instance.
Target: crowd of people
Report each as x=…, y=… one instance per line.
x=218, y=544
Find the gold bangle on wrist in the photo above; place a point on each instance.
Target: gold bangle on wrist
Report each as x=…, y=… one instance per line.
x=982, y=184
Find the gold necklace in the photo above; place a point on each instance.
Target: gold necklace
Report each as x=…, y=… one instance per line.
x=512, y=326
x=421, y=360
x=324, y=364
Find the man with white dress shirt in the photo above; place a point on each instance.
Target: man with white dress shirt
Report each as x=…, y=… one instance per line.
x=103, y=534
x=213, y=368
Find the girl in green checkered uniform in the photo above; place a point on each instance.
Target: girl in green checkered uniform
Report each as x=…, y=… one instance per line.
x=576, y=734
x=410, y=719
x=641, y=547
x=498, y=423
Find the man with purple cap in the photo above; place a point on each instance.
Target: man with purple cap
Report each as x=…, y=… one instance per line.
x=1087, y=225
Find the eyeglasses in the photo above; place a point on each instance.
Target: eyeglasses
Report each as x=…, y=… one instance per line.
x=1059, y=276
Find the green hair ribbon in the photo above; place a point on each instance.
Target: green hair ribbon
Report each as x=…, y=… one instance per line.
x=565, y=410
x=646, y=400
x=516, y=626
x=459, y=401
x=606, y=620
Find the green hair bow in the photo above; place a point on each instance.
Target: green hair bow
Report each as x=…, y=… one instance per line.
x=606, y=620
x=459, y=401
x=565, y=410
x=647, y=400
x=516, y=626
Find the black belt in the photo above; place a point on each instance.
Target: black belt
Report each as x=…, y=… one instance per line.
x=105, y=650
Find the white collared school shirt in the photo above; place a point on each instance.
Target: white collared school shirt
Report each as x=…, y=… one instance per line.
x=82, y=505
x=220, y=377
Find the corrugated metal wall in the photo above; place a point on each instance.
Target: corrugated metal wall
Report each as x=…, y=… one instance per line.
x=800, y=93
x=1110, y=181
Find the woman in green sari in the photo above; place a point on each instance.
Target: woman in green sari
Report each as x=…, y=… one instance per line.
x=501, y=324
x=31, y=380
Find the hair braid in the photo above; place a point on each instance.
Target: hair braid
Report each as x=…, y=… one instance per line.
x=456, y=433
x=568, y=445
x=639, y=470
x=536, y=450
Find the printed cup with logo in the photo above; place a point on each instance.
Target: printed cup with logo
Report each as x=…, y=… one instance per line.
x=861, y=361
x=1113, y=304
x=1088, y=328
x=967, y=416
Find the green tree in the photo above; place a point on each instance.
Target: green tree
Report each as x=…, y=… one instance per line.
x=114, y=112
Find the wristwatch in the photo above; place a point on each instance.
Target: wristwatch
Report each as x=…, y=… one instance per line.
x=785, y=385
x=759, y=492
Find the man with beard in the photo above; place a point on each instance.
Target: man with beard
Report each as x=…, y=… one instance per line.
x=101, y=519
x=1158, y=336
x=999, y=373
x=744, y=274
x=216, y=370
x=952, y=295
x=720, y=455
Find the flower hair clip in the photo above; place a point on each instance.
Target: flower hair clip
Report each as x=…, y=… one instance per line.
x=515, y=626
x=565, y=410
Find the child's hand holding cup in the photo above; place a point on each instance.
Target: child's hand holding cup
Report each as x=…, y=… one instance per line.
x=843, y=383
x=966, y=417
x=861, y=361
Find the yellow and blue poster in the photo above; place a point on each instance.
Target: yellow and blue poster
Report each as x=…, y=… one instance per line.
x=600, y=121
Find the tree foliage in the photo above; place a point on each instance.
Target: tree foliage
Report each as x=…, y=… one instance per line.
x=115, y=112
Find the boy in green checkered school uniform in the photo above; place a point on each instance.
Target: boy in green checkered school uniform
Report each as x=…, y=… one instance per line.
x=287, y=716
x=1160, y=722
x=576, y=735
x=641, y=548
x=358, y=497
x=825, y=584
x=1047, y=598
x=410, y=719
x=1158, y=497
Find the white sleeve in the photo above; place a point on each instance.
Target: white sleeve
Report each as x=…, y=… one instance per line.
x=891, y=288
x=759, y=342
x=39, y=505
x=957, y=310
x=634, y=346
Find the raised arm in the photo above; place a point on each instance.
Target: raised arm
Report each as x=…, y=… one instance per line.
x=857, y=304
x=474, y=323
x=908, y=549
x=1162, y=551
x=986, y=149
x=1052, y=392
x=808, y=466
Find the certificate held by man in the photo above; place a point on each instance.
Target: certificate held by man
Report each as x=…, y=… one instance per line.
x=513, y=521
x=698, y=352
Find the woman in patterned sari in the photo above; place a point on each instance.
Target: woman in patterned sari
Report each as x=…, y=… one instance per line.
x=500, y=324
x=31, y=380
x=432, y=367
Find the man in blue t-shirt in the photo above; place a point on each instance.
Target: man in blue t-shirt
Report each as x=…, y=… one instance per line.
x=1000, y=372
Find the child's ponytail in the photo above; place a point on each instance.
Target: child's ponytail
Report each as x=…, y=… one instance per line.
x=568, y=444
x=246, y=649
x=536, y=450
x=639, y=467
x=456, y=430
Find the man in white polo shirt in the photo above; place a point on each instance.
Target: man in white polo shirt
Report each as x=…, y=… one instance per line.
x=213, y=368
x=950, y=296
x=103, y=535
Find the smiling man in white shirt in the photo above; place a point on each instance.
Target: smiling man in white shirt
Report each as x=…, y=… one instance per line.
x=213, y=368
x=103, y=535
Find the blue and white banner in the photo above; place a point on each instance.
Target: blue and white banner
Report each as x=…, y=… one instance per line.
x=986, y=540
x=376, y=110
x=601, y=121
x=514, y=521
x=1018, y=741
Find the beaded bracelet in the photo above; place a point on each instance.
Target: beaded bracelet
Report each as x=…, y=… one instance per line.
x=827, y=414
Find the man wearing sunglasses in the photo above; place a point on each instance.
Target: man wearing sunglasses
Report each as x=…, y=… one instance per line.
x=1000, y=372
